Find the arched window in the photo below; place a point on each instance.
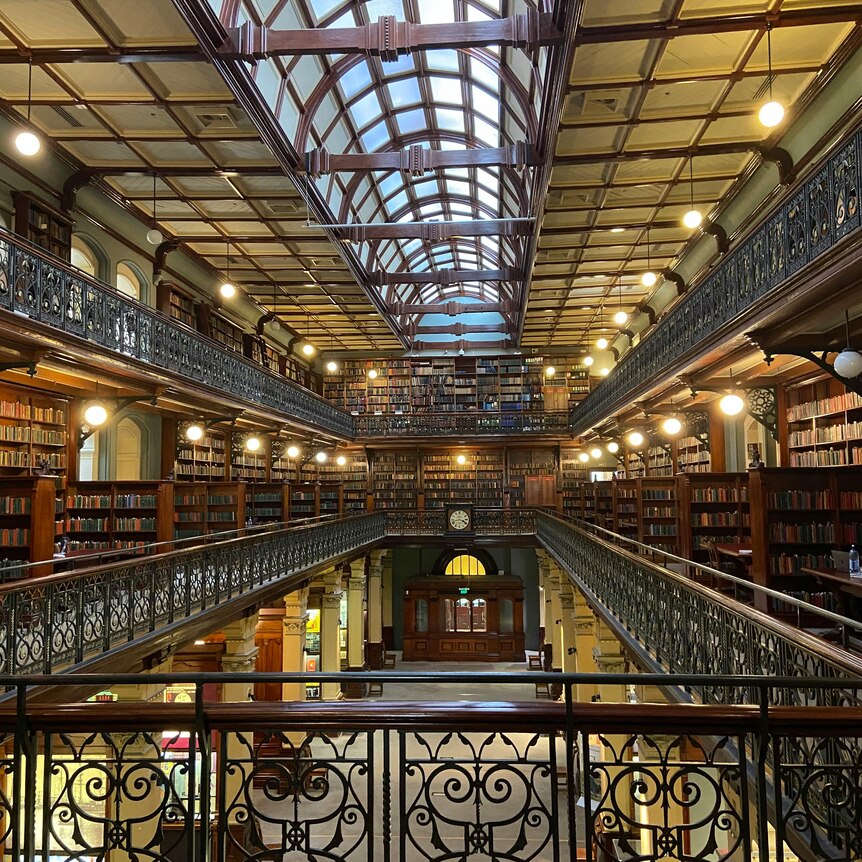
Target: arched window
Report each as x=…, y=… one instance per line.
x=128, y=281
x=129, y=450
x=84, y=258
x=465, y=565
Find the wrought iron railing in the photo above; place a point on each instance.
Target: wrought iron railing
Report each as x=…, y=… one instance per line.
x=41, y=287
x=688, y=628
x=820, y=212
x=474, y=424
x=59, y=621
x=405, y=780
x=486, y=522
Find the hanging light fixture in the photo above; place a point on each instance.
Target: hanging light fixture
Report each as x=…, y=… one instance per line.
x=772, y=112
x=649, y=278
x=252, y=443
x=601, y=341
x=227, y=290
x=692, y=219
x=308, y=349
x=372, y=373
x=636, y=439
x=613, y=447
x=194, y=432
x=731, y=404
x=293, y=451
x=332, y=366
x=95, y=414
x=605, y=371
x=848, y=363
x=550, y=371
x=671, y=426
x=588, y=360
x=596, y=452
x=583, y=457
x=341, y=460
x=321, y=457
x=275, y=323
x=26, y=142
x=620, y=318
x=154, y=235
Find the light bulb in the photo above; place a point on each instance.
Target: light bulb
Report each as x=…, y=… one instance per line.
x=462, y=460
x=671, y=426
x=692, y=219
x=95, y=415
x=227, y=290
x=292, y=451
x=730, y=405
x=550, y=371
x=308, y=349
x=848, y=363
x=596, y=453
x=771, y=114
x=620, y=318
x=275, y=324
x=583, y=457
x=602, y=343
x=636, y=439
x=372, y=374
x=341, y=460
x=252, y=443
x=332, y=367
x=154, y=236
x=27, y=143
x=194, y=432
x=321, y=457
x=649, y=278
x=605, y=371
x=613, y=447
x=588, y=361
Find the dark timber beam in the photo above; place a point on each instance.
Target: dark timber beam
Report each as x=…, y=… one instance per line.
x=433, y=231
x=156, y=54
x=446, y=276
x=414, y=329
x=708, y=25
x=451, y=309
x=770, y=154
x=462, y=344
x=389, y=38
x=417, y=160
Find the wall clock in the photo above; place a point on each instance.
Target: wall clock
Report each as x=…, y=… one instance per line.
x=459, y=519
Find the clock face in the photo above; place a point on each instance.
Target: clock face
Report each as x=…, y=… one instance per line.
x=459, y=519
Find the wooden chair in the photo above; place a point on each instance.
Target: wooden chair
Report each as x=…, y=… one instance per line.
x=375, y=689
x=534, y=662
x=389, y=661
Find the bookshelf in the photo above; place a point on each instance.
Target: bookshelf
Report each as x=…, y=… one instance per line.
x=395, y=475
x=31, y=521
x=225, y=506
x=660, y=461
x=226, y=333
x=190, y=509
x=627, y=508
x=490, y=477
x=693, y=455
x=659, y=513
x=331, y=496
x=635, y=465
x=202, y=461
x=304, y=500
x=32, y=434
x=479, y=480
x=525, y=464
x=267, y=503
x=603, y=504
x=713, y=507
x=181, y=307
x=102, y=516
x=43, y=226
x=824, y=426
x=573, y=474
x=248, y=466
x=354, y=479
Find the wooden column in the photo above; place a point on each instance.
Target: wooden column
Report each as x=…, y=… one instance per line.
x=330, y=646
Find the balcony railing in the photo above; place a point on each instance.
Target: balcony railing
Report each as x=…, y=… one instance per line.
x=822, y=211
x=397, y=781
x=475, y=424
x=687, y=628
x=39, y=286
x=486, y=522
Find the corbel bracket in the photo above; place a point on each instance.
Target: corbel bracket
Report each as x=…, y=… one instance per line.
x=118, y=405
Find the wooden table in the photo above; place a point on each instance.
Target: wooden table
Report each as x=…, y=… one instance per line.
x=834, y=579
x=735, y=550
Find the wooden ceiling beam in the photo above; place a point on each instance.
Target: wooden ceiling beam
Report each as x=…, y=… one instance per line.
x=446, y=276
x=138, y=54
x=432, y=231
x=389, y=38
x=712, y=24
x=417, y=160
x=451, y=309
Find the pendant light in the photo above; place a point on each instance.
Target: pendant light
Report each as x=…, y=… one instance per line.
x=308, y=349
x=601, y=341
x=154, y=235
x=848, y=363
x=588, y=359
x=692, y=219
x=731, y=404
x=649, y=278
x=227, y=290
x=26, y=142
x=621, y=318
x=275, y=323
x=771, y=113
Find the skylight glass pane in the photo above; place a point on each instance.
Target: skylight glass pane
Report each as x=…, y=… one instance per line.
x=459, y=188
x=376, y=137
x=322, y=8
x=375, y=8
x=451, y=120
x=389, y=184
x=399, y=67
x=365, y=110
x=398, y=201
x=354, y=80
x=477, y=14
x=485, y=75
x=410, y=121
x=444, y=60
x=486, y=133
x=485, y=103
x=446, y=90
x=429, y=210
x=461, y=209
x=437, y=11
x=404, y=92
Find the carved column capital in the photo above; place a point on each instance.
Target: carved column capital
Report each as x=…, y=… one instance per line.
x=240, y=662
x=357, y=568
x=608, y=663
x=330, y=600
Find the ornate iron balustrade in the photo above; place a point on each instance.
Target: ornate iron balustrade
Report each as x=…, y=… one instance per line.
x=43, y=288
x=55, y=622
x=399, y=781
x=476, y=424
x=690, y=629
x=486, y=522
x=818, y=214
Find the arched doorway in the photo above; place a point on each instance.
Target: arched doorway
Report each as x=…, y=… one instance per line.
x=129, y=449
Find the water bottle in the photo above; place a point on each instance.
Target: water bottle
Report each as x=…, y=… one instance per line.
x=853, y=558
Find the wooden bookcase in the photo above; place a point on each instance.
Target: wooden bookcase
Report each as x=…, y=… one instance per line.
x=225, y=506
x=267, y=502
x=225, y=333
x=33, y=434
x=659, y=513
x=43, y=225
x=203, y=461
x=660, y=460
x=118, y=515
x=527, y=463
x=31, y=521
x=395, y=479
x=603, y=503
x=190, y=509
x=354, y=479
x=312, y=499
x=249, y=466
x=330, y=498
x=627, y=508
x=693, y=455
x=573, y=474
x=713, y=507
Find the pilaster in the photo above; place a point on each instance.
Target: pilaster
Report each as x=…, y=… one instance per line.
x=374, y=647
x=330, y=624
x=293, y=642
